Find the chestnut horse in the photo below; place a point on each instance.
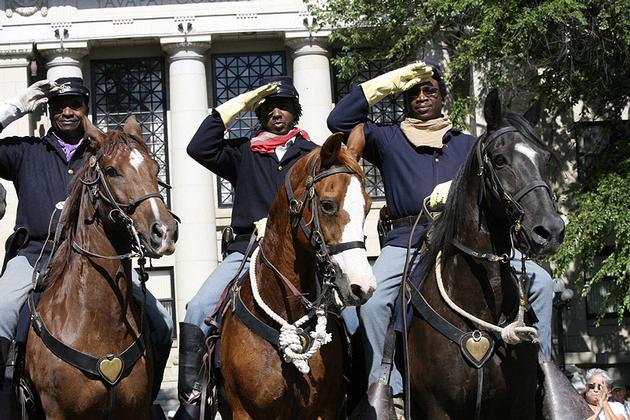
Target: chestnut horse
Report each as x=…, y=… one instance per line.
x=310, y=263
x=499, y=199
x=87, y=355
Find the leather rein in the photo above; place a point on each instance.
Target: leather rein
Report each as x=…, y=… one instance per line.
x=326, y=272
x=489, y=184
x=110, y=369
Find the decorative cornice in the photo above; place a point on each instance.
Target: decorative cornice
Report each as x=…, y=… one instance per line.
x=186, y=48
x=309, y=46
x=26, y=7
x=72, y=50
x=16, y=50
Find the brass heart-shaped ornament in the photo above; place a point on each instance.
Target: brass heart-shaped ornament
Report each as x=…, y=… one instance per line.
x=111, y=368
x=477, y=347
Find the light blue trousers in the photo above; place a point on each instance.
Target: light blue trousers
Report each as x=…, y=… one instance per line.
x=16, y=283
x=374, y=314
x=207, y=298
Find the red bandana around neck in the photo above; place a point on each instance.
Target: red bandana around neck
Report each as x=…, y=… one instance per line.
x=266, y=142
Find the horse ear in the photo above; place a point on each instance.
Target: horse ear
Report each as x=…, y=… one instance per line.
x=132, y=127
x=532, y=115
x=492, y=110
x=330, y=150
x=356, y=142
x=96, y=136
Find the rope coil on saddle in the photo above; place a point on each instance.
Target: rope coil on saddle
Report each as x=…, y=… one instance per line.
x=292, y=345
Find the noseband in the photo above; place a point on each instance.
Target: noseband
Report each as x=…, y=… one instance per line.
x=491, y=184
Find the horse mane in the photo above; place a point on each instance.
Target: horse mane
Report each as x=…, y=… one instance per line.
x=69, y=219
x=443, y=230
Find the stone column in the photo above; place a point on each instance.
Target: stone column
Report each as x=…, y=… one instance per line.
x=193, y=186
x=63, y=61
x=312, y=78
x=14, y=61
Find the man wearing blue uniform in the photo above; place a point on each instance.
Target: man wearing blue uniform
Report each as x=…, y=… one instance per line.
x=256, y=168
x=414, y=158
x=41, y=170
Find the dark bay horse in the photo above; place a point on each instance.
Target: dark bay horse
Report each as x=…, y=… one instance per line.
x=499, y=199
x=90, y=358
x=311, y=261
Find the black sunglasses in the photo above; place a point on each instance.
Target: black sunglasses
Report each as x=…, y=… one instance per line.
x=429, y=91
x=593, y=386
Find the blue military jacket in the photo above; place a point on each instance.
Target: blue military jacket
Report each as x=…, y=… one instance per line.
x=256, y=178
x=409, y=173
x=41, y=175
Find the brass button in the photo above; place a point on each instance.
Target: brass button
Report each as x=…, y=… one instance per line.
x=280, y=167
x=70, y=172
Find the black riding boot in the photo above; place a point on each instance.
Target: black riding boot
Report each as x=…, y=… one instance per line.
x=5, y=384
x=560, y=400
x=160, y=358
x=191, y=351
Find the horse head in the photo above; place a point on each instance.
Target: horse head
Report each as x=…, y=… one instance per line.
x=332, y=211
x=122, y=179
x=512, y=162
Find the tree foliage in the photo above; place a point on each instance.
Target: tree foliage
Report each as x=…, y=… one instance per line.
x=570, y=51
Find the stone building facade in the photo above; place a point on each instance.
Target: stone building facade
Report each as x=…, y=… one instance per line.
x=167, y=62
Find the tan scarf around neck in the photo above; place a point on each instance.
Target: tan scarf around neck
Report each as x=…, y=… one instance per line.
x=426, y=133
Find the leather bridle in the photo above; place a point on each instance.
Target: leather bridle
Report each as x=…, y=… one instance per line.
x=491, y=184
x=92, y=365
x=326, y=267
x=119, y=214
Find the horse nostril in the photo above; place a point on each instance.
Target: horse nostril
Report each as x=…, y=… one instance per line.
x=542, y=235
x=358, y=292
x=156, y=232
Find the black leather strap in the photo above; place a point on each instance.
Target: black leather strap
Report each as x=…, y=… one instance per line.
x=434, y=319
x=256, y=325
x=388, y=352
x=85, y=362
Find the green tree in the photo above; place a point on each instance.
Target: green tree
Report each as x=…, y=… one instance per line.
x=570, y=51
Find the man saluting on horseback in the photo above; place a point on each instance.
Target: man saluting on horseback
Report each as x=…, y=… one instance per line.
x=424, y=152
x=256, y=168
x=41, y=170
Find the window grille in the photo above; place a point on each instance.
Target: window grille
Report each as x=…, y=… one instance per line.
x=234, y=74
x=133, y=86
x=388, y=111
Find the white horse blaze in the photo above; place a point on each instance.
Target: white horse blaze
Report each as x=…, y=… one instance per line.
x=354, y=262
x=136, y=159
x=527, y=151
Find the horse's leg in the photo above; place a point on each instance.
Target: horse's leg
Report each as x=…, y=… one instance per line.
x=237, y=411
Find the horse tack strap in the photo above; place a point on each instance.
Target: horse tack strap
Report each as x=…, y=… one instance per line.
x=256, y=325
x=477, y=347
x=110, y=368
x=259, y=327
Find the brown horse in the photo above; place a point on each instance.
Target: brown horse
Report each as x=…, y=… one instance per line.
x=87, y=355
x=499, y=199
x=313, y=247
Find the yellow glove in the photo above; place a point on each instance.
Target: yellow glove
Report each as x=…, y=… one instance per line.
x=260, y=228
x=398, y=80
x=247, y=101
x=439, y=195
x=34, y=96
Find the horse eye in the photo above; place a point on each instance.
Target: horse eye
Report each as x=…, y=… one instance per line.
x=111, y=172
x=329, y=207
x=499, y=161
